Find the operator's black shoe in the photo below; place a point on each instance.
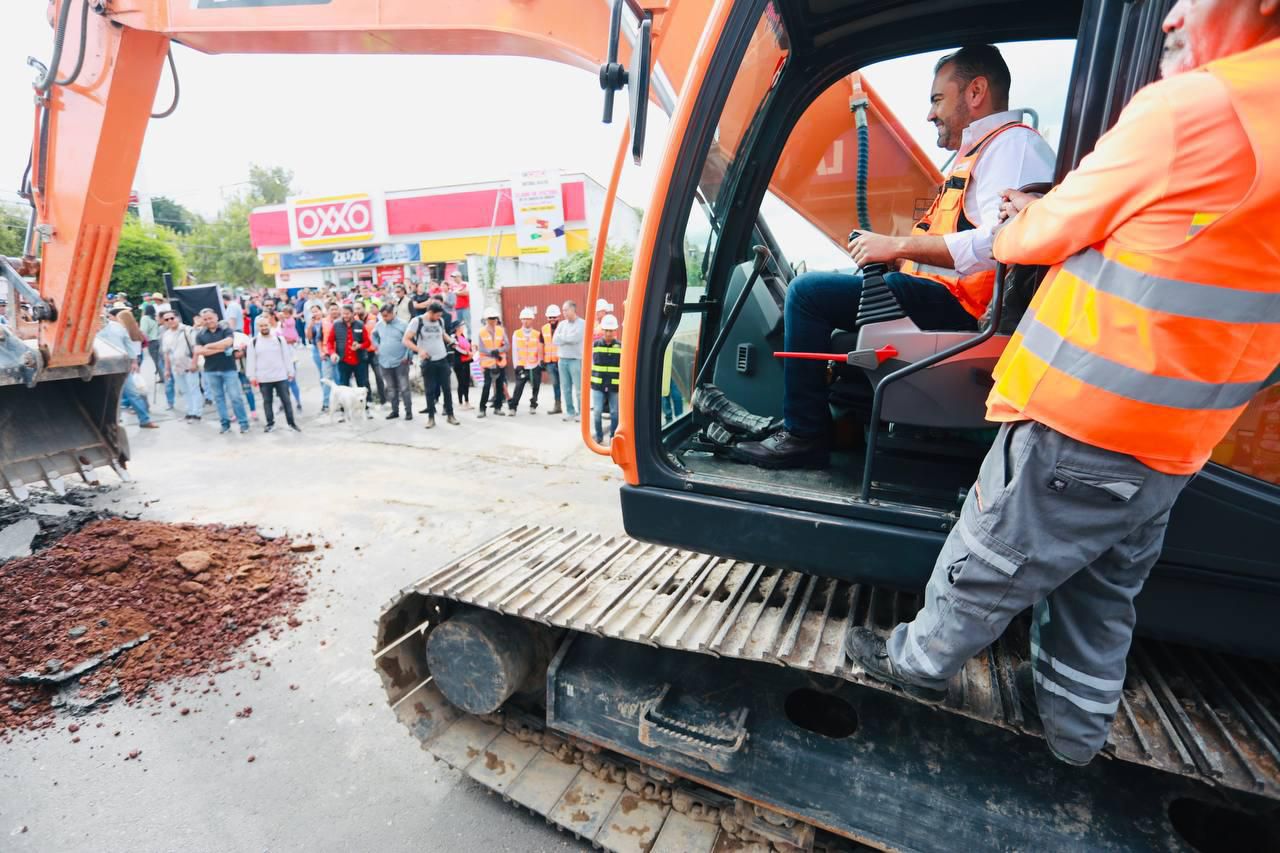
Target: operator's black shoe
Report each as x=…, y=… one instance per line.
x=1024, y=684
x=784, y=450
x=867, y=649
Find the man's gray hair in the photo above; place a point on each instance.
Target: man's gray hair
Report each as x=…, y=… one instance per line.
x=209, y=311
x=569, y=303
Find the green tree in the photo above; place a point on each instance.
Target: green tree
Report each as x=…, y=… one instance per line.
x=220, y=250
x=13, y=227
x=170, y=214
x=145, y=253
x=577, y=266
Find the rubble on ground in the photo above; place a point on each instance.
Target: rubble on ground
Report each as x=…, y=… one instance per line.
x=118, y=605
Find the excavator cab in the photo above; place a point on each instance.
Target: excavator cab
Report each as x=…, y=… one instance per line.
x=772, y=157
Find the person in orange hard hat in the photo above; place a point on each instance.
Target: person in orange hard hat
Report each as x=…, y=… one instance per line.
x=1158, y=321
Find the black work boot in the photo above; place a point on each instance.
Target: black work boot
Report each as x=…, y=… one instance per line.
x=784, y=450
x=867, y=649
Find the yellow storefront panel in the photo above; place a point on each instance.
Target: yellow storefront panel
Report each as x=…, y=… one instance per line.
x=457, y=248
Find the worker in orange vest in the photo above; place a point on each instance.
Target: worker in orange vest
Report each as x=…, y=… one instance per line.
x=551, y=354
x=947, y=271
x=491, y=348
x=1157, y=323
x=526, y=347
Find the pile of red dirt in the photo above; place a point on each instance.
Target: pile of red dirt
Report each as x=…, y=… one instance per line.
x=119, y=605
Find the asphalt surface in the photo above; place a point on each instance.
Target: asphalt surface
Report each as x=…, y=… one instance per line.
x=332, y=769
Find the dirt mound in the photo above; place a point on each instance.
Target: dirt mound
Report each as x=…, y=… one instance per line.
x=110, y=609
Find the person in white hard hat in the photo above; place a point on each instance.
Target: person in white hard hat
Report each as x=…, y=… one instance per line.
x=526, y=350
x=606, y=370
x=491, y=351
x=603, y=307
x=551, y=354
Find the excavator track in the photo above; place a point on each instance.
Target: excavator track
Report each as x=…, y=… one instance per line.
x=1185, y=712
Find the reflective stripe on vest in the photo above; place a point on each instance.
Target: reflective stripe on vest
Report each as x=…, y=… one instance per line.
x=525, y=344
x=606, y=364
x=550, y=352
x=490, y=342
x=1155, y=352
x=946, y=216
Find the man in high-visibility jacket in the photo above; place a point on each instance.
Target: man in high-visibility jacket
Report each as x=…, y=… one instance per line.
x=491, y=351
x=1157, y=322
x=551, y=354
x=946, y=269
x=526, y=349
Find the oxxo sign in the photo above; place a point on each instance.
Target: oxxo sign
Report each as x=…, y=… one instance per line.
x=332, y=219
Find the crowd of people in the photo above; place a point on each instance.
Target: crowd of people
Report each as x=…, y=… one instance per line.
x=370, y=339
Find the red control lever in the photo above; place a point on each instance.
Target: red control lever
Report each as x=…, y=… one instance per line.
x=857, y=357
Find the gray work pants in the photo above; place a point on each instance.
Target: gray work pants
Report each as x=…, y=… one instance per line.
x=397, y=379
x=1069, y=528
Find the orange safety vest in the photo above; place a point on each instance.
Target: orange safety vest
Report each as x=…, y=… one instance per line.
x=525, y=343
x=550, y=352
x=1155, y=352
x=498, y=340
x=946, y=216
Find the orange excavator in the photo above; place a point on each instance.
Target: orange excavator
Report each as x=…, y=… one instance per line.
x=684, y=688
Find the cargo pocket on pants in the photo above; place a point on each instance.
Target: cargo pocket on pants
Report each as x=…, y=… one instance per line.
x=980, y=581
x=1115, y=486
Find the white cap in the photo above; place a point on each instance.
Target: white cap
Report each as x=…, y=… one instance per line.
x=609, y=323
x=492, y=311
x=603, y=305
x=528, y=314
x=553, y=310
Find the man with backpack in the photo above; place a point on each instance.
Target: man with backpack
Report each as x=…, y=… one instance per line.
x=269, y=366
x=429, y=337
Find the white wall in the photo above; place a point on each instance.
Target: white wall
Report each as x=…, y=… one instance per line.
x=625, y=225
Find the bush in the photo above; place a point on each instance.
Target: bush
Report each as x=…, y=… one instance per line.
x=143, y=256
x=577, y=266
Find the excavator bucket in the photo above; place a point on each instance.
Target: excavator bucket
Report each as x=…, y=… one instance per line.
x=60, y=422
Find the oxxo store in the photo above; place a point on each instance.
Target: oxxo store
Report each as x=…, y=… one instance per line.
x=395, y=236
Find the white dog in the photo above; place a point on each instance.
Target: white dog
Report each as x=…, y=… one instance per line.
x=352, y=401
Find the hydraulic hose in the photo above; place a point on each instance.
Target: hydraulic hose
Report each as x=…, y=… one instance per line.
x=59, y=36
x=84, y=37
x=864, y=156
x=177, y=90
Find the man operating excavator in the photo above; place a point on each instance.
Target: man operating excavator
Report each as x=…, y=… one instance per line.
x=1157, y=323
x=946, y=272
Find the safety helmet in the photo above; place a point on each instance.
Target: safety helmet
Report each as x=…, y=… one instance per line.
x=553, y=310
x=609, y=323
x=603, y=305
x=493, y=312
x=528, y=314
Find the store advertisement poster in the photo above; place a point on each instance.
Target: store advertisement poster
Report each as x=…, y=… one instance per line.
x=539, y=213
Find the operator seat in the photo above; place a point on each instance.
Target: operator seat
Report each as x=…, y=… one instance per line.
x=951, y=394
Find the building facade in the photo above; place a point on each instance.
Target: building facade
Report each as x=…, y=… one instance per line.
x=515, y=229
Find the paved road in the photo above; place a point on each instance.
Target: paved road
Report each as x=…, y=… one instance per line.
x=333, y=769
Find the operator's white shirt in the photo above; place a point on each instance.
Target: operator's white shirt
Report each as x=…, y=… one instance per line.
x=1011, y=160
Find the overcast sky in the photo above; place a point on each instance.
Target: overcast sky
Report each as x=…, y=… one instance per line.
x=357, y=123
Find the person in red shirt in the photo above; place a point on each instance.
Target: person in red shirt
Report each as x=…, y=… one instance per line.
x=348, y=344
x=461, y=299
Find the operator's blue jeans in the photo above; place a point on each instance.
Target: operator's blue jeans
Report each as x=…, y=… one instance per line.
x=817, y=304
x=222, y=384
